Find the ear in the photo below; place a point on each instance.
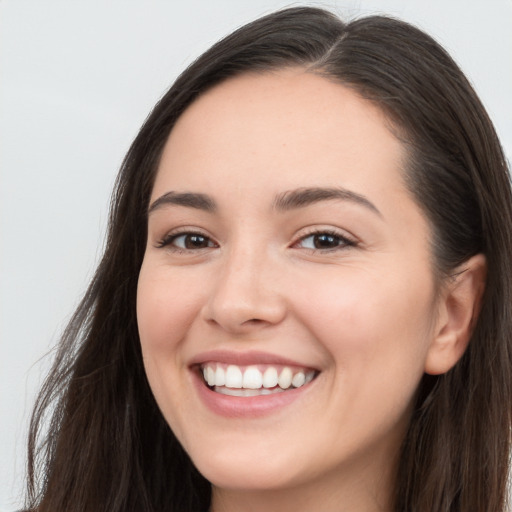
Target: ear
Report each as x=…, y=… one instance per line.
x=459, y=306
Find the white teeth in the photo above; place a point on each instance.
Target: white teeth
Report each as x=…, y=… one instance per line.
x=233, y=377
x=298, y=380
x=234, y=380
x=246, y=392
x=270, y=378
x=285, y=378
x=220, y=376
x=210, y=376
x=252, y=378
x=309, y=377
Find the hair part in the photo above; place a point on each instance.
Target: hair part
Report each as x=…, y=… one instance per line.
x=108, y=446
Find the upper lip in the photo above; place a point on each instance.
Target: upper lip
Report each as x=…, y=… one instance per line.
x=244, y=358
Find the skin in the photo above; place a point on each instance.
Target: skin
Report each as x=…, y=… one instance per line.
x=366, y=314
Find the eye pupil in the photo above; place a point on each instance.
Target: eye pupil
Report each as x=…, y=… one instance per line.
x=325, y=241
x=196, y=242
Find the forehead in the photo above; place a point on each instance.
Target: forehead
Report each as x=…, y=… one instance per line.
x=286, y=128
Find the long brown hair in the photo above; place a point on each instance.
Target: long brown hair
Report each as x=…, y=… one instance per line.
x=106, y=446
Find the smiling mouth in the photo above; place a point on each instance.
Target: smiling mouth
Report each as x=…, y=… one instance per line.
x=254, y=380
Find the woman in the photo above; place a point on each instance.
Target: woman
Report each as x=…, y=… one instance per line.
x=304, y=300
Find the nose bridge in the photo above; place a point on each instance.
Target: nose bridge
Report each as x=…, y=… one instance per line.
x=246, y=291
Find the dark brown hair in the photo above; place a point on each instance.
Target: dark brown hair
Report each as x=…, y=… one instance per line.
x=107, y=446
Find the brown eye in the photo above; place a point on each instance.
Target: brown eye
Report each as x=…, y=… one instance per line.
x=325, y=241
x=187, y=242
x=193, y=241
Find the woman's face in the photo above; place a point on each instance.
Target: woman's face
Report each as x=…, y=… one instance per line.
x=283, y=245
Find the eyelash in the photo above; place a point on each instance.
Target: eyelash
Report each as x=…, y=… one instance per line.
x=168, y=240
x=342, y=241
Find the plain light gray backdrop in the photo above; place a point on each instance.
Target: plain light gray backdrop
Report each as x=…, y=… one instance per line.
x=77, y=80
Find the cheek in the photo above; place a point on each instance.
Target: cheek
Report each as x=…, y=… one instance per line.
x=371, y=322
x=377, y=333
x=166, y=306
x=165, y=310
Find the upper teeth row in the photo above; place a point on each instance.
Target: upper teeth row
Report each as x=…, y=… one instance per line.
x=252, y=378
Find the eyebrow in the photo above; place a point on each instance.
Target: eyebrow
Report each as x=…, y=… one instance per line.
x=289, y=200
x=188, y=199
x=301, y=197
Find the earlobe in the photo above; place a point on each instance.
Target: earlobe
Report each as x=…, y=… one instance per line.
x=459, y=308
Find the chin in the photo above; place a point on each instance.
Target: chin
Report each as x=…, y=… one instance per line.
x=242, y=471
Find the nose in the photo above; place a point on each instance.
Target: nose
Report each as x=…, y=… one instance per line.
x=245, y=295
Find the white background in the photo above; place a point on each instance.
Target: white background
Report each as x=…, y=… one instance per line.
x=77, y=80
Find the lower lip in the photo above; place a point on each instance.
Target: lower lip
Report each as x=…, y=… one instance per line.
x=246, y=406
